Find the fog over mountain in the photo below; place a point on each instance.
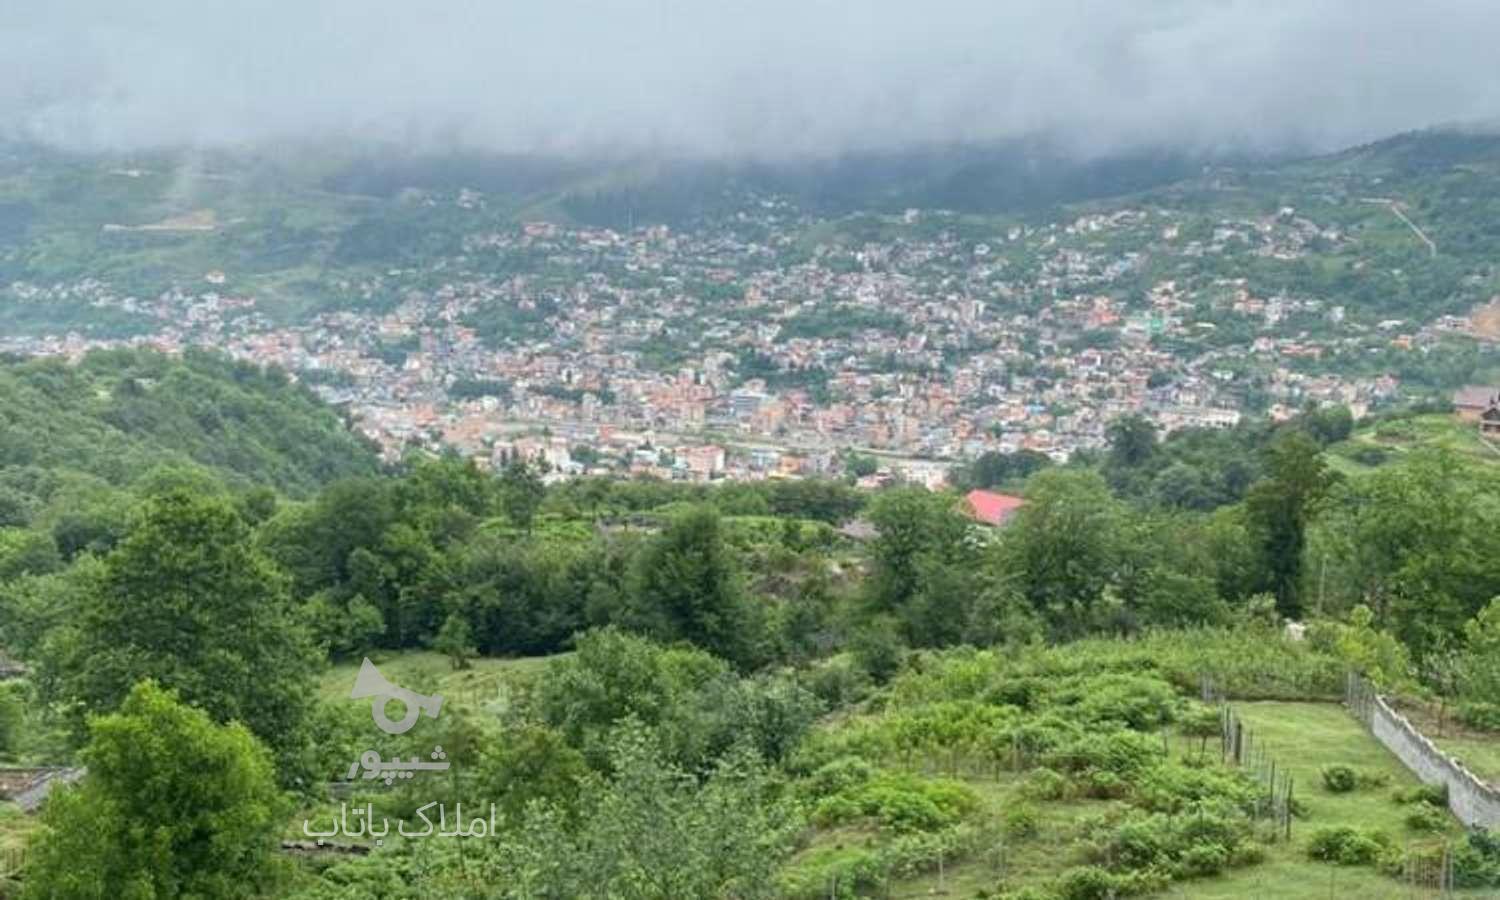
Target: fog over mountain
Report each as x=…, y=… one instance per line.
x=770, y=79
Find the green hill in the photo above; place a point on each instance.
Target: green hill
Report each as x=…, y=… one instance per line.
x=117, y=415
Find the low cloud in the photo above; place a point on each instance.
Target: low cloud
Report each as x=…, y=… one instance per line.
x=765, y=79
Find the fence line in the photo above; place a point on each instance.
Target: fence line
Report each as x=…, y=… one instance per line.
x=1473, y=802
x=1239, y=747
x=12, y=861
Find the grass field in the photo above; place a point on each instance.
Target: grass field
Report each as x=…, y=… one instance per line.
x=1304, y=737
x=428, y=672
x=1397, y=437
x=1479, y=753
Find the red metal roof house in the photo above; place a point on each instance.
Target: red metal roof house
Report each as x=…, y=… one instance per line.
x=990, y=508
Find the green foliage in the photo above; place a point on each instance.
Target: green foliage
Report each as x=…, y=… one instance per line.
x=118, y=413
x=25, y=552
x=1412, y=542
x=1427, y=820
x=521, y=493
x=1476, y=862
x=653, y=831
x=684, y=585
x=1279, y=508
x=915, y=528
x=1063, y=547
x=13, y=698
x=693, y=702
x=1479, y=668
x=456, y=641
x=1363, y=648
x=187, y=600
x=898, y=801
x=994, y=469
x=1021, y=821
x=1340, y=779
x=1347, y=846
x=173, y=806
x=1429, y=794
x=532, y=764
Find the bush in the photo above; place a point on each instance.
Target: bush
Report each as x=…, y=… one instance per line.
x=1427, y=819
x=903, y=803
x=1481, y=714
x=1045, y=784
x=841, y=774
x=1086, y=883
x=1124, y=753
x=1430, y=794
x=1203, y=860
x=1347, y=846
x=1105, y=786
x=1339, y=779
x=838, y=682
x=1021, y=821
x=1476, y=862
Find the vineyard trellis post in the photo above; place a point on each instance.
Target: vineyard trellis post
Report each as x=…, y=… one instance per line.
x=1239, y=747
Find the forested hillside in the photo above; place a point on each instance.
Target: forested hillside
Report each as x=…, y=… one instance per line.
x=668, y=690
x=115, y=417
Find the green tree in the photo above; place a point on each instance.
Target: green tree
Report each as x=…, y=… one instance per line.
x=188, y=601
x=1132, y=442
x=1278, y=509
x=521, y=494
x=1064, y=547
x=455, y=640
x=685, y=585
x=654, y=832
x=916, y=531
x=1479, y=667
x=1415, y=541
x=172, y=806
x=26, y=552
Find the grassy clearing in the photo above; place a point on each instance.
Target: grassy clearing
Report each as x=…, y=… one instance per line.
x=1305, y=737
x=1480, y=753
x=1397, y=437
x=428, y=672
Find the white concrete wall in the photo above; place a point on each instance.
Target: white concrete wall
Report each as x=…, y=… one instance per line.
x=1472, y=801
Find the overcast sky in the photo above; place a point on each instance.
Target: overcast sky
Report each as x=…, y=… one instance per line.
x=764, y=78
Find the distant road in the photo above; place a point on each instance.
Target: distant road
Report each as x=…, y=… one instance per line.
x=1395, y=207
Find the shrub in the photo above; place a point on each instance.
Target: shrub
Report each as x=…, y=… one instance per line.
x=1124, y=753
x=1339, y=778
x=1481, y=714
x=841, y=774
x=1247, y=854
x=1427, y=819
x=1347, y=846
x=1174, y=788
x=1021, y=821
x=1105, y=786
x=838, y=682
x=1476, y=862
x=1044, y=784
x=1203, y=860
x=902, y=802
x=1029, y=892
x=1086, y=883
x=1430, y=794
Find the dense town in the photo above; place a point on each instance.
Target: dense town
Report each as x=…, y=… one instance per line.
x=773, y=344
